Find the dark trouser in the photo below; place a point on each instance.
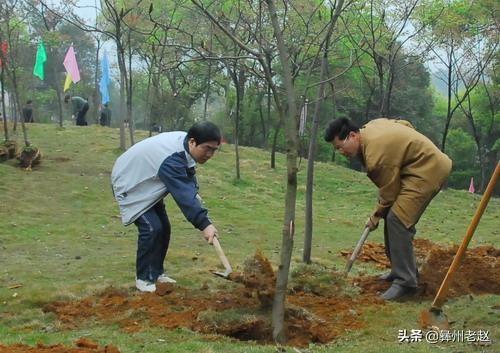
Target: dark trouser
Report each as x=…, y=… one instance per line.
x=399, y=249
x=152, y=243
x=80, y=118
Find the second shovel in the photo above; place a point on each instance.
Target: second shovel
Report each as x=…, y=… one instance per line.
x=356, y=250
x=223, y=259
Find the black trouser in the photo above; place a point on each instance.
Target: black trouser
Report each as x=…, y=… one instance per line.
x=152, y=244
x=80, y=118
x=399, y=250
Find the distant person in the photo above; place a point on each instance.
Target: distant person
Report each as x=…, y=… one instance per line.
x=144, y=175
x=409, y=170
x=79, y=107
x=28, y=112
x=157, y=128
x=105, y=116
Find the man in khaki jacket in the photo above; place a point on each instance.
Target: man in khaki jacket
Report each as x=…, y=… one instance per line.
x=408, y=170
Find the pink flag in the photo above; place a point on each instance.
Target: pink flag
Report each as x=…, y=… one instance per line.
x=471, y=186
x=71, y=65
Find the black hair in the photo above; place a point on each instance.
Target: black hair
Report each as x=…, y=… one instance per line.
x=66, y=98
x=29, y=101
x=204, y=131
x=340, y=127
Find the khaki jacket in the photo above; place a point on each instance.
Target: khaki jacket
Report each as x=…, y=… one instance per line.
x=405, y=165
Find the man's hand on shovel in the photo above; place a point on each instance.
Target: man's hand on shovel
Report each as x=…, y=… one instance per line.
x=372, y=222
x=209, y=233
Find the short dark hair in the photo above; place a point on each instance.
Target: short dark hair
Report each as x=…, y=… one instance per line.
x=204, y=131
x=29, y=101
x=340, y=127
x=66, y=98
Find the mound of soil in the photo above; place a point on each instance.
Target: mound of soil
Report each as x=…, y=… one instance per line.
x=29, y=157
x=11, y=147
x=4, y=154
x=83, y=345
x=479, y=272
x=258, y=277
x=242, y=313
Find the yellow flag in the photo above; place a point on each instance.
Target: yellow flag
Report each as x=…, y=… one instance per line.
x=67, y=82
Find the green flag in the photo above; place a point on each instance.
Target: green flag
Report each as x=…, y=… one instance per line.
x=41, y=58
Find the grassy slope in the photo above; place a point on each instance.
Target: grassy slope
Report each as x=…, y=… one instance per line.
x=60, y=237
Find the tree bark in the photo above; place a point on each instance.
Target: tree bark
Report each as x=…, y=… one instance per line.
x=292, y=142
x=306, y=255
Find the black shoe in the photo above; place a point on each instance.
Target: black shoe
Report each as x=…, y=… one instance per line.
x=387, y=277
x=397, y=292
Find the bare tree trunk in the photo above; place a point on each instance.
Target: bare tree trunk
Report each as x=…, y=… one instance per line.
x=449, y=112
x=15, y=124
x=239, y=82
x=17, y=104
x=262, y=122
x=292, y=141
x=306, y=256
x=95, y=95
x=5, y=126
x=130, y=117
x=275, y=142
x=236, y=133
x=123, y=79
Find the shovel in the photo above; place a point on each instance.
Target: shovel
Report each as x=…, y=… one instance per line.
x=223, y=259
x=356, y=251
x=434, y=317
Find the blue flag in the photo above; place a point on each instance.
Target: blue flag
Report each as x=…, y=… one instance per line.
x=103, y=84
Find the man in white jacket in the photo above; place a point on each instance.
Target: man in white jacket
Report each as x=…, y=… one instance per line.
x=149, y=171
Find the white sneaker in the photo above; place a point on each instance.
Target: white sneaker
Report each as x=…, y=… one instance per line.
x=145, y=286
x=163, y=278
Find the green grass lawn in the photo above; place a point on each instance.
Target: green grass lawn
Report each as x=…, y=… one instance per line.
x=61, y=238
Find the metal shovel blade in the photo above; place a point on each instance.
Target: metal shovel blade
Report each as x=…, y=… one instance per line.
x=224, y=274
x=434, y=318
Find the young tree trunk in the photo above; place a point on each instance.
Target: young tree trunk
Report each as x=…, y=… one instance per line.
x=207, y=91
x=449, y=112
x=123, y=79
x=237, y=131
x=130, y=117
x=306, y=255
x=4, y=116
x=275, y=142
x=95, y=95
x=262, y=121
x=292, y=142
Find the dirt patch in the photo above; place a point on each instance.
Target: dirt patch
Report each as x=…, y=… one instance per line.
x=479, y=272
x=30, y=156
x=60, y=159
x=258, y=278
x=83, y=345
x=242, y=312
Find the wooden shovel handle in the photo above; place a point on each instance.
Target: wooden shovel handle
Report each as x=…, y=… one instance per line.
x=221, y=255
x=356, y=250
x=443, y=289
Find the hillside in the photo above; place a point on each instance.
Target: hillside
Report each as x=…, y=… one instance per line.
x=61, y=239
